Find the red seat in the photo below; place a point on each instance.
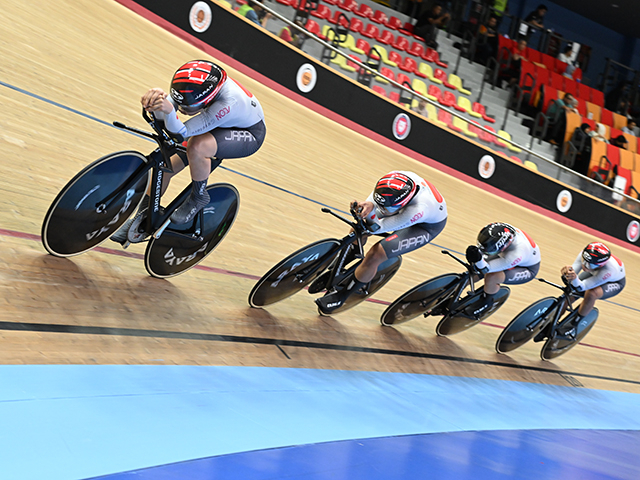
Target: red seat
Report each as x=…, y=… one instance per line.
x=589, y=122
x=288, y=3
x=550, y=94
x=584, y=92
x=313, y=27
x=534, y=55
x=560, y=66
x=557, y=81
x=408, y=65
x=348, y=5
x=479, y=108
x=496, y=139
x=352, y=64
x=356, y=25
x=371, y=31
x=432, y=56
x=613, y=154
x=386, y=37
x=450, y=100
x=582, y=107
x=364, y=10
x=577, y=75
x=344, y=21
x=331, y=2
x=379, y=17
x=527, y=73
x=401, y=43
x=387, y=72
x=407, y=29
x=379, y=90
x=442, y=76
x=401, y=78
x=549, y=62
x=394, y=57
x=435, y=92
x=323, y=12
x=597, y=97
x=606, y=117
x=571, y=86
x=482, y=135
x=416, y=49
x=363, y=45
x=394, y=23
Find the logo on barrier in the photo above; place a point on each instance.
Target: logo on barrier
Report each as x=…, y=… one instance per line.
x=486, y=166
x=200, y=17
x=306, y=78
x=564, y=200
x=633, y=231
x=401, y=126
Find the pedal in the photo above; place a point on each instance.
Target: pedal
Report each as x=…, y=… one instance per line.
x=126, y=244
x=162, y=228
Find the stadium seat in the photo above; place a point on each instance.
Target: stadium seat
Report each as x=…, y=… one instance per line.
x=385, y=72
x=379, y=90
x=456, y=81
x=478, y=107
x=584, y=92
x=530, y=165
x=401, y=43
x=627, y=159
x=597, y=97
x=534, y=56
x=571, y=86
x=384, y=56
x=342, y=63
x=446, y=118
x=395, y=57
x=434, y=57
x=557, y=82
x=371, y=31
x=465, y=105
x=403, y=79
x=507, y=136
x=314, y=27
x=619, y=121
x=463, y=127
x=322, y=12
x=416, y=49
x=432, y=114
x=549, y=62
x=394, y=96
x=441, y=75
x=496, y=138
x=408, y=65
x=420, y=87
x=434, y=93
x=364, y=10
x=350, y=43
x=561, y=67
x=633, y=143
x=394, y=23
x=356, y=25
x=363, y=45
x=339, y=16
x=386, y=37
x=348, y=5
x=582, y=106
x=379, y=17
x=427, y=71
x=407, y=29
x=606, y=117
x=482, y=135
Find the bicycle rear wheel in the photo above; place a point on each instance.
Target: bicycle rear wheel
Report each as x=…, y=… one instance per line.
x=419, y=299
x=293, y=273
x=386, y=271
x=78, y=219
x=452, y=324
x=526, y=325
x=175, y=251
x=554, y=347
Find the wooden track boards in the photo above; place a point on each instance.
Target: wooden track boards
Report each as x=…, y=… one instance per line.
x=96, y=59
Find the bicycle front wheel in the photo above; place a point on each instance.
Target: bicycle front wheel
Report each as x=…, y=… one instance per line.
x=91, y=207
x=176, y=251
x=452, y=324
x=526, y=325
x=293, y=273
x=420, y=299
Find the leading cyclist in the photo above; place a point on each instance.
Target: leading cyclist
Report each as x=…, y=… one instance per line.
x=227, y=122
x=403, y=203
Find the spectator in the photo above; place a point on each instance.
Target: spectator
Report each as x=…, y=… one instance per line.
x=421, y=108
x=254, y=12
x=582, y=142
x=536, y=18
x=292, y=35
x=558, y=119
x=599, y=133
x=500, y=7
x=428, y=24
x=487, y=41
x=567, y=57
x=630, y=128
x=620, y=141
x=511, y=74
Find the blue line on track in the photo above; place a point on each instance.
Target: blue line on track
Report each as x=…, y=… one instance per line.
x=103, y=122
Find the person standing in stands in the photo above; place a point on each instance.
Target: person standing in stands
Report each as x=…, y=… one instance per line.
x=254, y=12
x=428, y=24
x=487, y=41
x=535, y=19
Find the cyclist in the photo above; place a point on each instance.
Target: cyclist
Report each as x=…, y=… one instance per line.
x=403, y=203
x=503, y=254
x=227, y=122
x=598, y=275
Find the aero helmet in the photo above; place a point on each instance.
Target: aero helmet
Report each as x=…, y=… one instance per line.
x=195, y=85
x=496, y=238
x=394, y=191
x=595, y=255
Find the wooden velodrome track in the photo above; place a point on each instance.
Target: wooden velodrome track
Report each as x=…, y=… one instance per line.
x=69, y=68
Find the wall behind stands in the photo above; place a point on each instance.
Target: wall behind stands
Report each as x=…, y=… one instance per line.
x=283, y=64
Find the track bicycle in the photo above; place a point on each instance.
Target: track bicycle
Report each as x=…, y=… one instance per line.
x=542, y=319
x=99, y=199
x=323, y=265
x=444, y=296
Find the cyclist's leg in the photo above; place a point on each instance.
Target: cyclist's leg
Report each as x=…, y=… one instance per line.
x=220, y=143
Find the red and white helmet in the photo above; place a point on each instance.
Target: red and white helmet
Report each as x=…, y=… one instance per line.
x=196, y=84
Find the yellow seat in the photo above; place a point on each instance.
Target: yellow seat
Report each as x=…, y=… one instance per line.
x=426, y=69
x=432, y=113
x=225, y=4
x=464, y=126
x=383, y=56
x=507, y=136
x=464, y=102
x=342, y=63
x=350, y=43
x=529, y=164
x=456, y=81
x=421, y=87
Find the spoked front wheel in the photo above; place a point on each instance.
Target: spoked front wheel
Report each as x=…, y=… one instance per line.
x=386, y=271
x=526, y=325
x=456, y=323
x=293, y=273
x=556, y=346
x=420, y=299
x=94, y=204
x=179, y=248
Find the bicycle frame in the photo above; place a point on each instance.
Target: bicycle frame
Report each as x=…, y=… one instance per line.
x=454, y=296
x=562, y=303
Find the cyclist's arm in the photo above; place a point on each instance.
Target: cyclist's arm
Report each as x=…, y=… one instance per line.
x=508, y=259
x=410, y=215
x=203, y=122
